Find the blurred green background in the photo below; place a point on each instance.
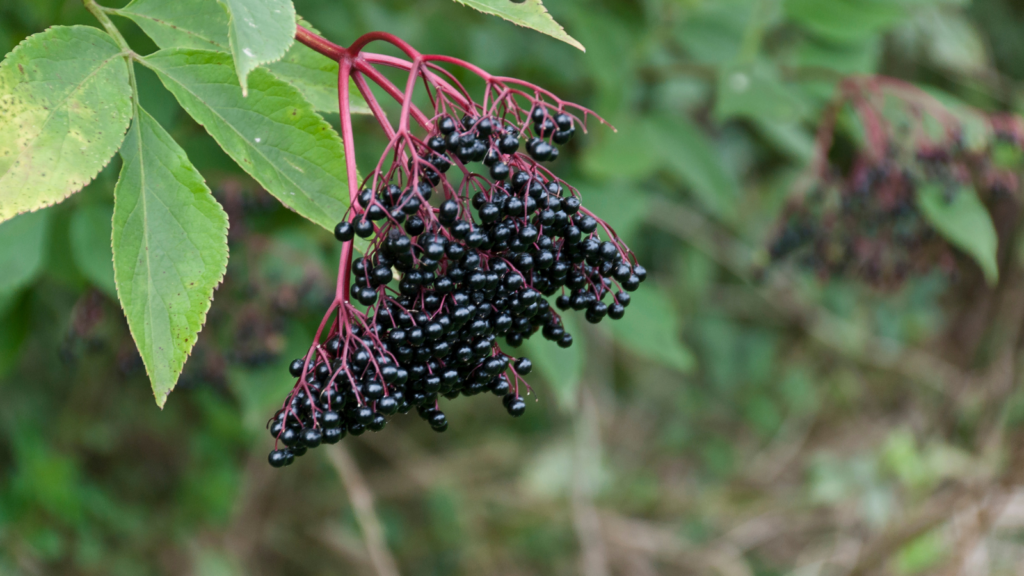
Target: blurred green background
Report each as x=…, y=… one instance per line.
x=739, y=422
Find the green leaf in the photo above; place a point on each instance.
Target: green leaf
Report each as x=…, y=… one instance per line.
x=527, y=13
x=844, y=20
x=651, y=329
x=562, y=368
x=23, y=242
x=200, y=24
x=964, y=222
x=170, y=250
x=260, y=32
x=690, y=155
x=203, y=25
x=274, y=134
x=90, y=232
x=755, y=91
x=316, y=76
x=625, y=153
x=65, y=104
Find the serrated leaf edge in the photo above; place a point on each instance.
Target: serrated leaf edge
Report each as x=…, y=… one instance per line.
x=160, y=402
x=85, y=181
x=568, y=39
x=243, y=77
x=301, y=98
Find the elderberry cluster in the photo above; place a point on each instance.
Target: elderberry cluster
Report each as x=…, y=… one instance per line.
x=868, y=224
x=444, y=283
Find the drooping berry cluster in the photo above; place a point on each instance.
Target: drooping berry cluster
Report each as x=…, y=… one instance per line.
x=454, y=265
x=863, y=216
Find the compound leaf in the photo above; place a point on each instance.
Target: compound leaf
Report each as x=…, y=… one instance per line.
x=527, y=13
x=965, y=222
x=274, y=134
x=65, y=104
x=203, y=25
x=170, y=250
x=259, y=32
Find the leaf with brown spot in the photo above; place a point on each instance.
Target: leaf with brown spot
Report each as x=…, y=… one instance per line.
x=65, y=104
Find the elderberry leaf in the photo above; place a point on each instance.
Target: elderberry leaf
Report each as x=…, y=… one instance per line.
x=260, y=32
x=65, y=104
x=199, y=24
x=170, y=249
x=273, y=134
x=562, y=368
x=90, y=233
x=526, y=13
x=964, y=221
x=316, y=76
x=651, y=329
x=203, y=25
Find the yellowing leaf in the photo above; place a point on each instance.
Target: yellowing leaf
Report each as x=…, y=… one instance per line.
x=65, y=104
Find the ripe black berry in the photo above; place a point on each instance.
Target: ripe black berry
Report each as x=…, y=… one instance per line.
x=279, y=458
x=344, y=231
x=516, y=407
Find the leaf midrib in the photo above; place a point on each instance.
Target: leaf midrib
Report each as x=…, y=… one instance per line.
x=243, y=137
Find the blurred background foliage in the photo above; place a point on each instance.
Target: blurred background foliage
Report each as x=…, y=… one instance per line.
x=741, y=420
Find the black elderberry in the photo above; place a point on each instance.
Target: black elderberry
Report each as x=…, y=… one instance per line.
x=415, y=226
x=565, y=341
x=484, y=127
x=537, y=114
x=516, y=407
x=363, y=228
x=295, y=368
x=499, y=171
x=364, y=198
x=289, y=437
x=545, y=128
x=311, y=437
x=446, y=125
x=437, y=420
x=508, y=145
x=489, y=213
x=539, y=150
x=356, y=429
x=448, y=211
x=279, y=458
x=363, y=415
x=330, y=419
x=333, y=435
x=344, y=231
x=437, y=144
x=377, y=423
x=523, y=366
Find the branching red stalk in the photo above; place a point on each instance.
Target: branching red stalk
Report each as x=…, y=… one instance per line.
x=412, y=168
